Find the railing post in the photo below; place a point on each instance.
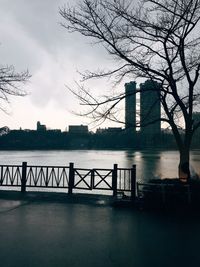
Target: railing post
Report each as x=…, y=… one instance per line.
x=114, y=180
x=133, y=182
x=71, y=178
x=23, y=182
x=92, y=179
x=1, y=181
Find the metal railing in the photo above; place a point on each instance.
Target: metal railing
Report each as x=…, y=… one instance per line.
x=10, y=175
x=164, y=193
x=47, y=176
x=31, y=176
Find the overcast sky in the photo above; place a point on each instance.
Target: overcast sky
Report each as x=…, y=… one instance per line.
x=32, y=38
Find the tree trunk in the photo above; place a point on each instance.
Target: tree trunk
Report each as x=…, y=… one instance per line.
x=184, y=164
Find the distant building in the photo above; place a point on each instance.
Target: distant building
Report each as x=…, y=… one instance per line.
x=78, y=129
x=54, y=131
x=150, y=108
x=196, y=136
x=41, y=127
x=130, y=106
x=196, y=117
x=109, y=130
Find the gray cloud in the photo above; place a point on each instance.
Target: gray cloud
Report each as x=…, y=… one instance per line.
x=31, y=37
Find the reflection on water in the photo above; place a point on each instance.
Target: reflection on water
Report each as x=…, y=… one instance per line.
x=150, y=163
x=157, y=163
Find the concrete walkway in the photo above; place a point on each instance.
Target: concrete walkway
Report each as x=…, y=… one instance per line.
x=62, y=232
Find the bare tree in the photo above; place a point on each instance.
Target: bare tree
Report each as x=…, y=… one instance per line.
x=10, y=84
x=153, y=39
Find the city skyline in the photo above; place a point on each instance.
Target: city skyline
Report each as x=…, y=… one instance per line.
x=53, y=58
x=146, y=107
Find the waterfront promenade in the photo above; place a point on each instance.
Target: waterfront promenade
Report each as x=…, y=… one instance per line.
x=47, y=230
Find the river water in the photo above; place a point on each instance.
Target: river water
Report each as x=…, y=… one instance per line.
x=149, y=163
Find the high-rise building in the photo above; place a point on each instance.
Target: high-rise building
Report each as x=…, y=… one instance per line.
x=130, y=106
x=150, y=109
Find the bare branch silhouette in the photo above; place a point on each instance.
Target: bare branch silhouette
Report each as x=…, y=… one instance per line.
x=10, y=84
x=152, y=39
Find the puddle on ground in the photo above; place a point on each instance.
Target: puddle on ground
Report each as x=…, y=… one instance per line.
x=101, y=202
x=6, y=205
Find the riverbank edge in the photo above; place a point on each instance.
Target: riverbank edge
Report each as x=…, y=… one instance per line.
x=79, y=198
x=98, y=200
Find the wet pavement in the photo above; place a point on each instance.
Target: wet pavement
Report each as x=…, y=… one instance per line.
x=47, y=232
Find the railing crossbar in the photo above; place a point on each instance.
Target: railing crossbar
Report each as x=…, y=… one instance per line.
x=102, y=178
x=82, y=178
